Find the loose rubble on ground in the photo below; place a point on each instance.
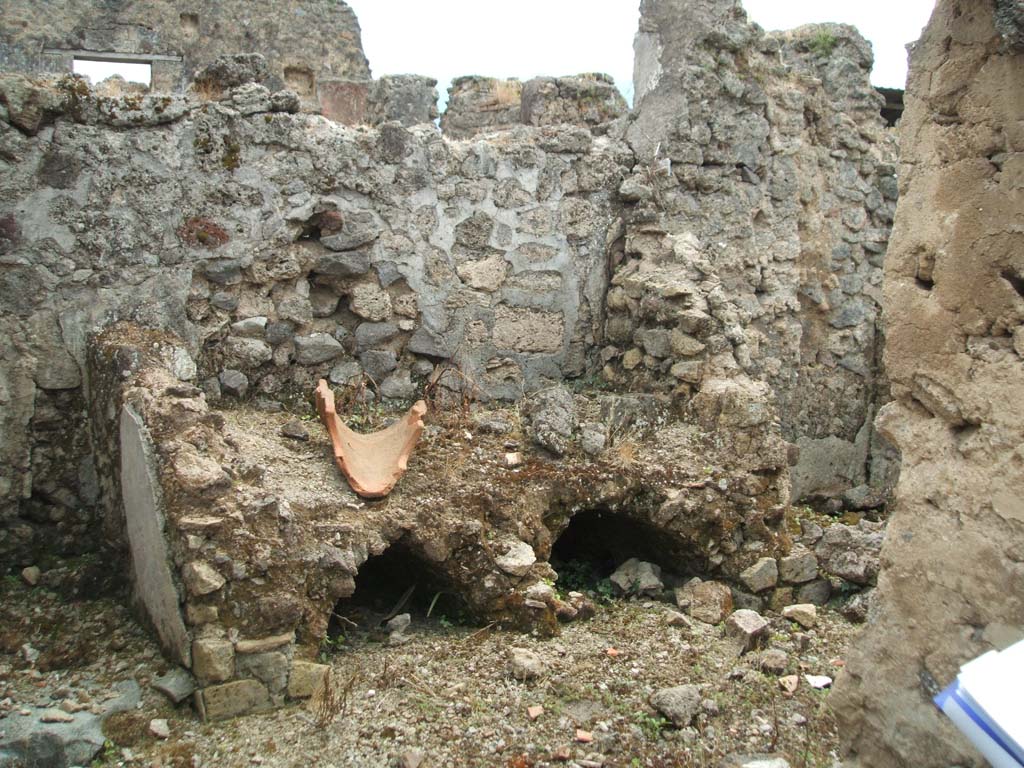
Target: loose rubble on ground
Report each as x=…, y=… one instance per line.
x=641, y=682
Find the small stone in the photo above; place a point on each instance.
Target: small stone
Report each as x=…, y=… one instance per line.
x=676, y=619
x=232, y=382
x=225, y=301
x=182, y=365
x=708, y=601
x=799, y=566
x=804, y=614
x=370, y=302
x=378, y=363
x=810, y=531
x=251, y=327
x=593, y=437
x=56, y=716
x=264, y=644
x=773, y=661
x=343, y=373
x=279, y=332
x=513, y=459
x=323, y=302
x=762, y=575
x=196, y=615
x=28, y=653
x=399, y=623
x=198, y=474
x=295, y=430
x=213, y=660
x=780, y=598
x=316, y=348
x=525, y=664
x=856, y=608
x=519, y=558
x=238, y=697
x=535, y=711
x=246, y=352
x=685, y=345
x=817, y=592
x=584, y=737
x=159, y=728
x=552, y=414
x=270, y=668
x=541, y=592
x=374, y=335
x=679, y=704
x=342, y=264
x=789, y=683
x=305, y=678
x=177, y=685
x=31, y=575
x=398, y=386
x=636, y=577
x=741, y=599
x=201, y=578
x=748, y=627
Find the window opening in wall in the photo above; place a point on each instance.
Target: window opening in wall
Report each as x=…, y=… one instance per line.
x=97, y=70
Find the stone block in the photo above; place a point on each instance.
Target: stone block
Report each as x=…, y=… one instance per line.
x=762, y=575
x=708, y=601
x=305, y=678
x=264, y=644
x=748, y=628
x=240, y=697
x=804, y=614
x=799, y=566
x=213, y=660
x=270, y=668
x=528, y=330
x=201, y=578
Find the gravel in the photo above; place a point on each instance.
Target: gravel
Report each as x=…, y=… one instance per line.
x=447, y=694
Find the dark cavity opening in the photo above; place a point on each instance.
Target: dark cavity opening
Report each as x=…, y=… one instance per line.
x=597, y=541
x=892, y=110
x=321, y=224
x=1014, y=279
x=394, y=582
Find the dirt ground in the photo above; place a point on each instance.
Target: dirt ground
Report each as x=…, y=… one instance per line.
x=446, y=697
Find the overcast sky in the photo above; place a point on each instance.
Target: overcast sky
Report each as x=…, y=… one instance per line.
x=526, y=38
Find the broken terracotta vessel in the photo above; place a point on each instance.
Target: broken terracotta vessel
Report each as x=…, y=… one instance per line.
x=372, y=463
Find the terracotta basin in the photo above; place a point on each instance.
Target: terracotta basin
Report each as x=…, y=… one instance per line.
x=373, y=463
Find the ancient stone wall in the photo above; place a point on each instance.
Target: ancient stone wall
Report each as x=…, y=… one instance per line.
x=305, y=42
x=760, y=207
x=486, y=104
x=954, y=306
x=723, y=241
x=283, y=247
